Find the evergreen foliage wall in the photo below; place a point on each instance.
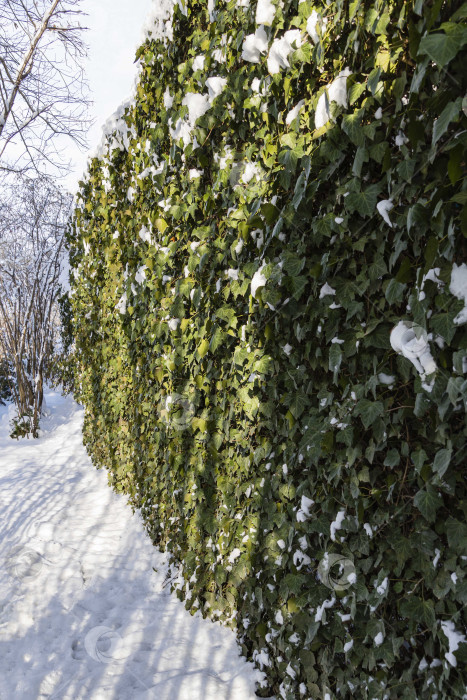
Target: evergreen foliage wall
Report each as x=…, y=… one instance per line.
x=287, y=188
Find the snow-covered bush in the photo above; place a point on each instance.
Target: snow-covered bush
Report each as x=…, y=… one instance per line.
x=249, y=244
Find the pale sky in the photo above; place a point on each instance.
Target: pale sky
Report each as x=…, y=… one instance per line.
x=115, y=30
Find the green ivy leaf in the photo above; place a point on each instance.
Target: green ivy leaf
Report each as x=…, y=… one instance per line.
x=298, y=403
x=456, y=533
x=443, y=325
x=216, y=340
x=264, y=365
x=394, y=292
x=293, y=265
x=392, y=458
x=442, y=461
x=421, y=611
x=300, y=189
x=442, y=48
x=298, y=284
x=449, y=114
x=203, y=347
x=335, y=357
x=363, y=202
x=419, y=458
x=369, y=411
x=428, y=501
x=352, y=126
x=355, y=91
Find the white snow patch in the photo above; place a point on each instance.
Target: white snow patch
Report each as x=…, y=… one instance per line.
x=250, y=171
x=311, y=25
x=211, y=6
x=228, y=155
x=379, y=639
x=290, y=672
x=458, y=287
x=325, y=290
x=194, y=173
x=336, y=525
x=387, y=379
x=431, y=275
x=121, y=304
x=261, y=658
x=304, y=511
x=325, y=605
x=254, y=45
x=144, y=234
x=293, y=114
x=140, y=274
x=259, y=280
x=198, y=105
x=422, y=665
x=404, y=341
x=383, y=586
x=265, y=12
x=167, y=98
x=239, y=247
x=79, y=570
x=401, y=139
x=198, y=62
x=383, y=207
x=301, y=559
x=234, y=555
x=345, y=617
x=215, y=86
x=454, y=639
x=158, y=23
x=334, y=92
x=280, y=50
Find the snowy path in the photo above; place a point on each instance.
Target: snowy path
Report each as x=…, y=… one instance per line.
x=82, y=613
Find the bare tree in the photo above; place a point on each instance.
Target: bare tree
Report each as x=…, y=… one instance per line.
x=42, y=89
x=32, y=257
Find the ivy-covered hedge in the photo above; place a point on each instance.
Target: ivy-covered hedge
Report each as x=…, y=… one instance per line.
x=242, y=250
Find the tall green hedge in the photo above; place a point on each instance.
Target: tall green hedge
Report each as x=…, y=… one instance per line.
x=254, y=261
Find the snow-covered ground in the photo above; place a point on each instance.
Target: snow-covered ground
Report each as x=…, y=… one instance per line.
x=85, y=609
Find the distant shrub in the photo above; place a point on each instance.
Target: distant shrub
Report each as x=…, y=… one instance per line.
x=5, y=381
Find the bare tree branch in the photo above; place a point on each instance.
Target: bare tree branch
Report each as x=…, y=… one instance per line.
x=42, y=89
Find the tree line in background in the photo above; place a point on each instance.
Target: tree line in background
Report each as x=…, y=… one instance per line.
x=33, y=220
x=43, y=103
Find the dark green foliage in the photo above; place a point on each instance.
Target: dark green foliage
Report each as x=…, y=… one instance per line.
x=6, y=377
x=272, y=410
x=21, y=426
x=61, y=372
